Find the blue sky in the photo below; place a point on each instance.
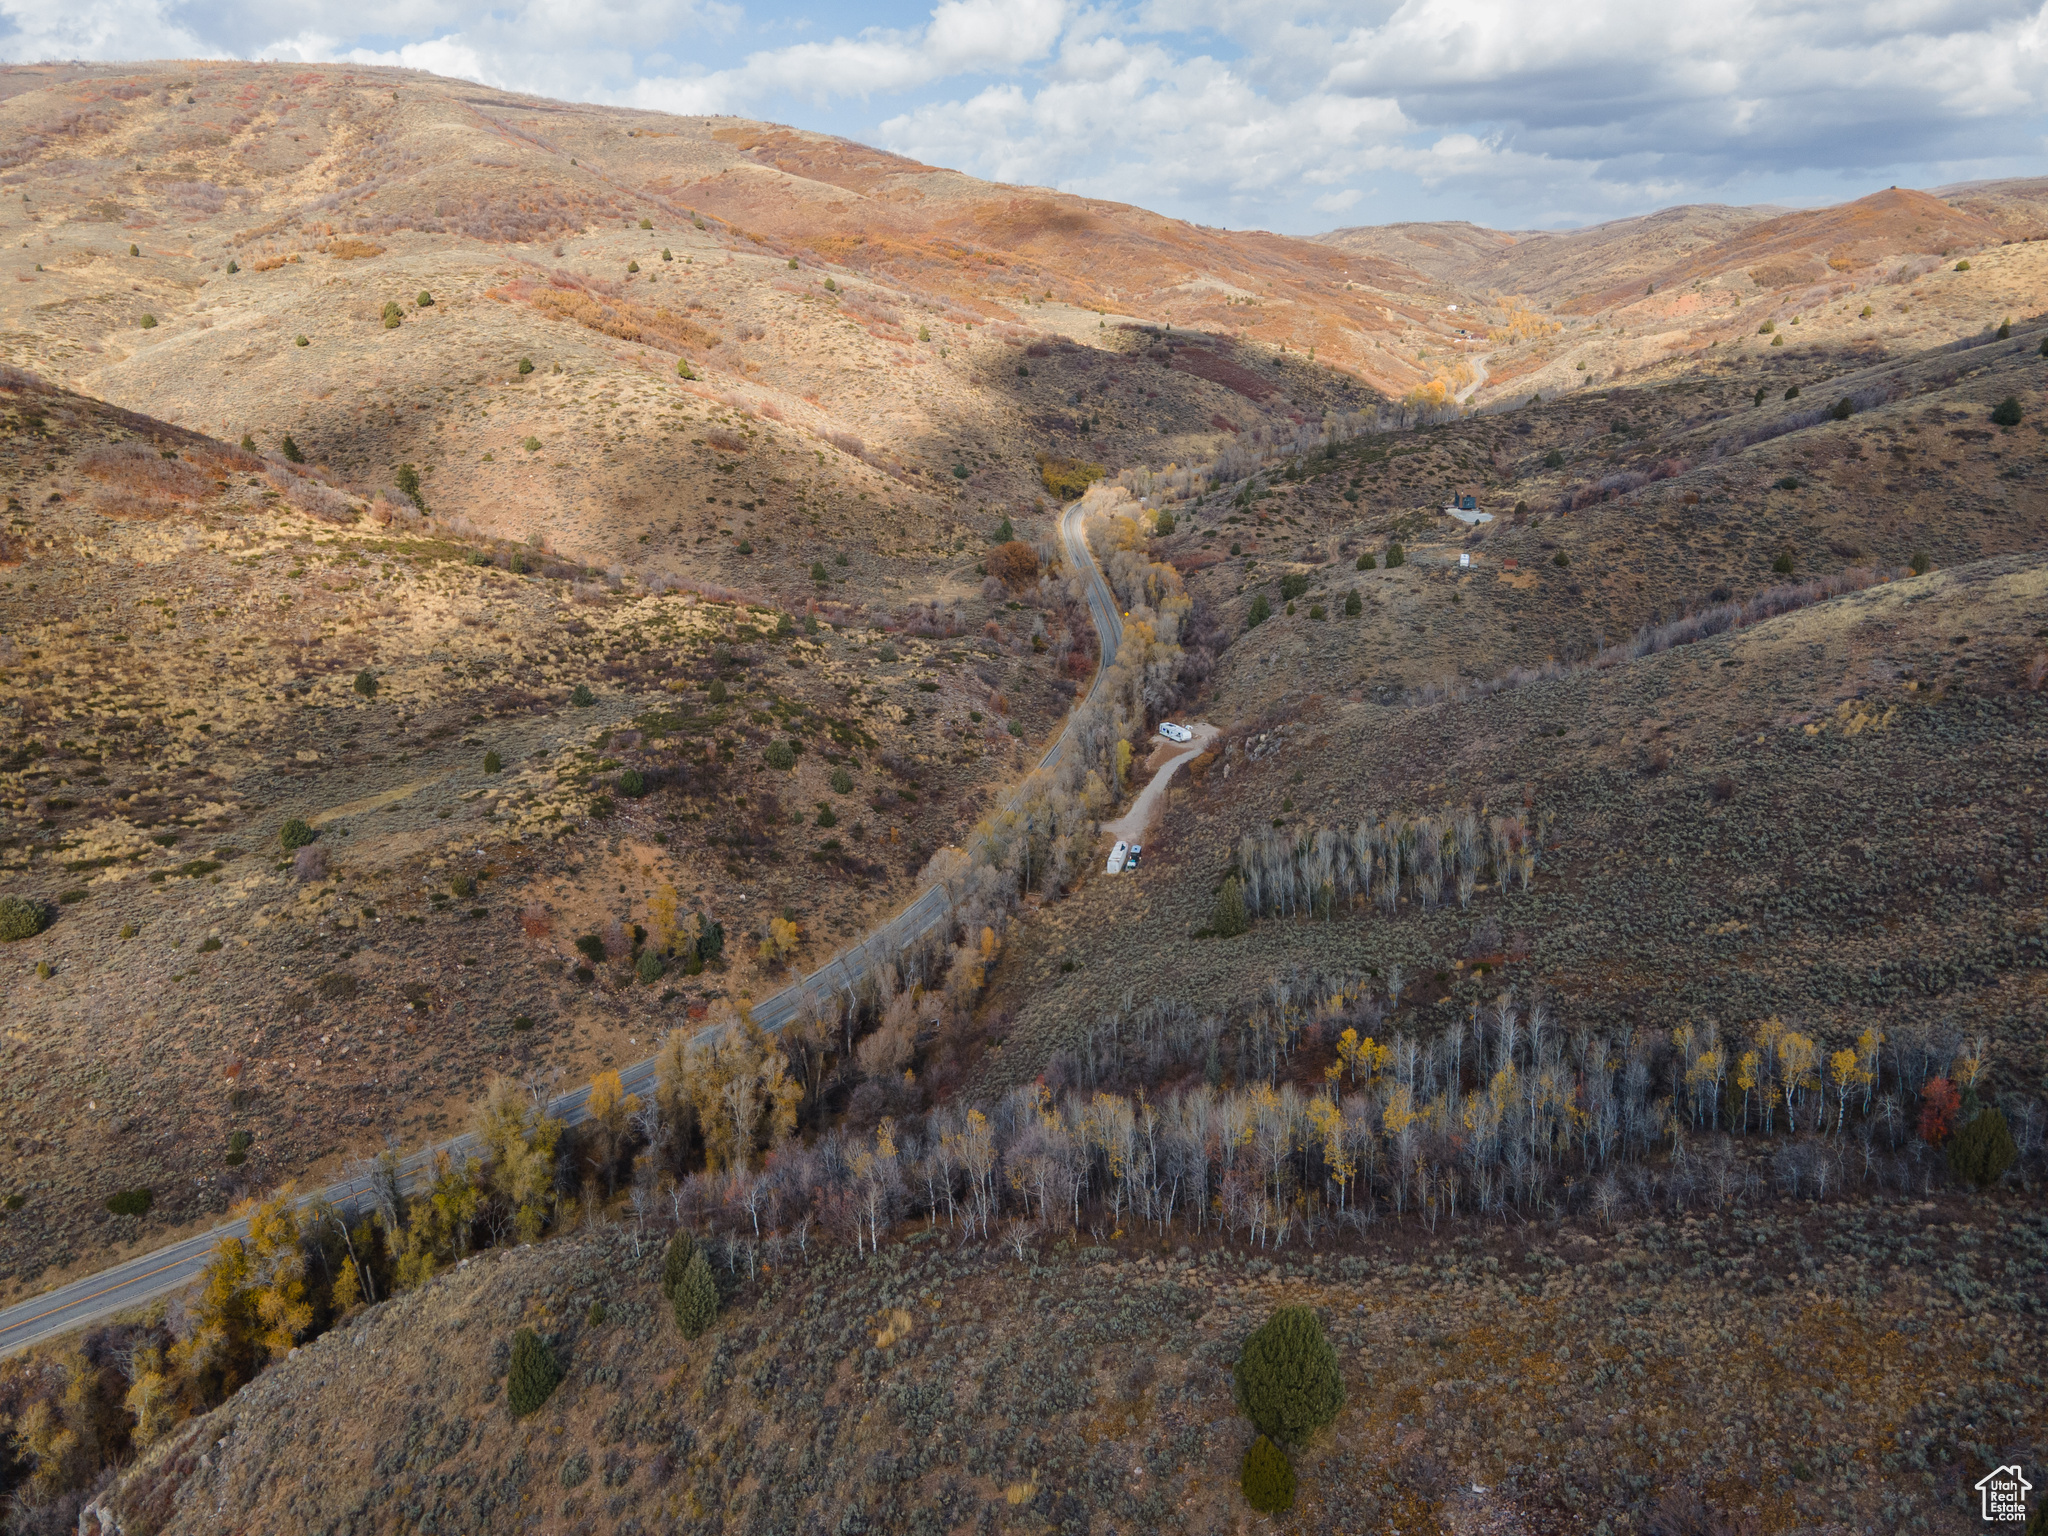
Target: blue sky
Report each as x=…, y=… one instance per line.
x=1290, y=115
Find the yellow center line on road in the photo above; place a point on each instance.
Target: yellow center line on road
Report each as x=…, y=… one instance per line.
x=95, y=1296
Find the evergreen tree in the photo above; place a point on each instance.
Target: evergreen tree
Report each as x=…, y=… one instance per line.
x=1262, y=610
x=1286, y=1380
x=1982, y=1150
x=681, y=1249
x=1229, y=920
x=696, y=1298
x=534, y=1373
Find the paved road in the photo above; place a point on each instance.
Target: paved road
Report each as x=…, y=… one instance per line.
x=170, y=1269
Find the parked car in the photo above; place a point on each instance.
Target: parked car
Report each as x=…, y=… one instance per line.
x=1117, y=856
x=1174, y=732
x=1131, y=858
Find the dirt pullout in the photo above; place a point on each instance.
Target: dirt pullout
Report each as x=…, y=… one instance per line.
x=1168, y=759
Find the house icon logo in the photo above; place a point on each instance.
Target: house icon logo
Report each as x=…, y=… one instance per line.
x=2004, y=1491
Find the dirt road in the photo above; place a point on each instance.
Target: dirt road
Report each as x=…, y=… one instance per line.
x=1132, y=824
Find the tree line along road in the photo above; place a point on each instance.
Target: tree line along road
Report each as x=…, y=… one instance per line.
x=163, y=1271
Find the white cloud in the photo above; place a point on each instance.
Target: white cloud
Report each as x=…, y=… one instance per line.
x=97, y=29
x=1336, y=202
x=962, y=37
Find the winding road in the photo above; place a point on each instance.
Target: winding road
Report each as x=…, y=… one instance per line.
x=169, y=1269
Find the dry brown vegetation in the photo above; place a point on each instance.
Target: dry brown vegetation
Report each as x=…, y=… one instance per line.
x=180, y=674
x=1831, y=1370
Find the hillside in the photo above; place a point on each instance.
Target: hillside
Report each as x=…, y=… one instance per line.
x=1511, y=1380
x=929, y=323
x=1613, y=508
x=1544, y=313
x=1824, y=816
x=204, y=645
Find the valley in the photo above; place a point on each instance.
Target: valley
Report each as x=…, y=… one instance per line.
x=567, y=675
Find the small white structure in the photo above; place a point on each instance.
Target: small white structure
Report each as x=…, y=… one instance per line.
x=1117, y=855
x=1464, y=560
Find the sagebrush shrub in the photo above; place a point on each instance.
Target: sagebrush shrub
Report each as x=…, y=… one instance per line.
x=1267, y=1478
x=1287, y=1382
x=534, y=1375
x=21, y=918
